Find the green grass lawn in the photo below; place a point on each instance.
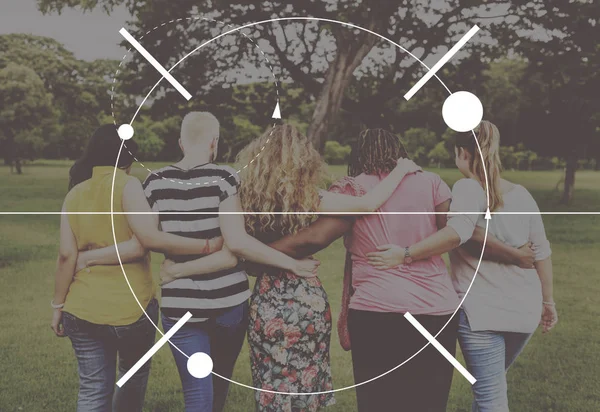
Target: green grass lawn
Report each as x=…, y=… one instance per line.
x=557, y=372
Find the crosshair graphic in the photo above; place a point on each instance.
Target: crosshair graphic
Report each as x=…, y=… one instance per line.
x=464, y=119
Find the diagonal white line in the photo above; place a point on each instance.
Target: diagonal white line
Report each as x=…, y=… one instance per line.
x=154, y=63
x=441, y=62
x=440, y=348
x=154, y=349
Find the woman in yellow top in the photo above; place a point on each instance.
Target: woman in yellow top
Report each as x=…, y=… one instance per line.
x=94, y=307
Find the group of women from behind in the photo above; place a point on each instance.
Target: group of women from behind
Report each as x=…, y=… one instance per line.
x=393, y=266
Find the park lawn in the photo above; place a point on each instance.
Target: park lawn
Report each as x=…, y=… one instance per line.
x=557, y=372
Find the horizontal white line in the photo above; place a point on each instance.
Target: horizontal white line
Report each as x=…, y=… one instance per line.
x=430, y=73
x=440, y=348
x=154, y=63
x=300, y=213
x=154, y=349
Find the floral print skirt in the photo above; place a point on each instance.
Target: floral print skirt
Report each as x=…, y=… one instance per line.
x=289, y=336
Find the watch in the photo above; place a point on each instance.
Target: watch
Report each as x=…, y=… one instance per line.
x=407, y=257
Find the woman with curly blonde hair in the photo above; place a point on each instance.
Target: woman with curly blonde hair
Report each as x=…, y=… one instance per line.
x=290, y=317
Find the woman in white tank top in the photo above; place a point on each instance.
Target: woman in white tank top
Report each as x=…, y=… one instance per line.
x=509, y=296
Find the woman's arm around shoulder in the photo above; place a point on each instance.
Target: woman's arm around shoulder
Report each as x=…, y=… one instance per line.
x=370, y=202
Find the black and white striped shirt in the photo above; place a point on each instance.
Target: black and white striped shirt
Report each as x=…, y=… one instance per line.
x=200, y=189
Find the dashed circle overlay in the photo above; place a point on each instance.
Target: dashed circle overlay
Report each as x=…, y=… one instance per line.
x=193, y=19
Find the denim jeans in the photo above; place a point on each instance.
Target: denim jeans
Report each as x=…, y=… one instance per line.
x=222, y=339
x=97, y=348
x=488, y=355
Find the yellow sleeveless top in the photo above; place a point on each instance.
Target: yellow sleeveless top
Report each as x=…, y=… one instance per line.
x=100, y=294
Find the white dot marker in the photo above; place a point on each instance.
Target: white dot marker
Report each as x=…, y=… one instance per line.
x=462, y=111
x=125, y=131
x=200, y=365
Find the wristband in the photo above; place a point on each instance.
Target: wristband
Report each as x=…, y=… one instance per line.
x=549, y=303
x=55, y=306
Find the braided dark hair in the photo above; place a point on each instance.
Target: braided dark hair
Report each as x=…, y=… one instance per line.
x=376, y=152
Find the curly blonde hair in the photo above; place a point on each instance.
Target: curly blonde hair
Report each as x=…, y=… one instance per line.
x=282, y=175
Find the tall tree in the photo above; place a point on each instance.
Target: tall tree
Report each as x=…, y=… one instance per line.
x=561, y=81
x=322, y=58
x=26, y=112
x=80, y=89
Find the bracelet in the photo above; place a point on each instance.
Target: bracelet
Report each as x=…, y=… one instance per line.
x=549, y=303
x=55, y=306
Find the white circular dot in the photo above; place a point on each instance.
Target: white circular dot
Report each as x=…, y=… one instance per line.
x=462, y=111
x=125, y=131
x=200, y=365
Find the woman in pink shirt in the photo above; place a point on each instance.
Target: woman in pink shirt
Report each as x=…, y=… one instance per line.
x=381, y=337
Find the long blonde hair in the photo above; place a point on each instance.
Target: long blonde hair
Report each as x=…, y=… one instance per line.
x=282, y=173
x=488, y=137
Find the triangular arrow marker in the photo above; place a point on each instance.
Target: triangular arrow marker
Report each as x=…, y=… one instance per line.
x=488, y=215
x=277, y=112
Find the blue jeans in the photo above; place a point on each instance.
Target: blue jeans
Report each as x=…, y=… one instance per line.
x=221, y=338
x=97, y=347
x=488, y=355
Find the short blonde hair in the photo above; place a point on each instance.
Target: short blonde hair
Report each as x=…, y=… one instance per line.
x=199, y=127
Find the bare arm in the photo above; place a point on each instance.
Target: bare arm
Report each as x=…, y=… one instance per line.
x=67, y=257
x=444, y=240
x=65, y=269
x=544, y=271
x=336, y=202
x=549, y=314
x=498, y=251
x=221, y=260
x=130, y=251
x=145, y=226
x=242, y=244
x=316, y=237
x=441, y=220
x=308, y=241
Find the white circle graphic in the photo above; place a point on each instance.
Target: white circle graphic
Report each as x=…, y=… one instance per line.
x=200, y=365
x=125, y=131
x=462, y=111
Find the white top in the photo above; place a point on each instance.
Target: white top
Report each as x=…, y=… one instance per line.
x=503, y=297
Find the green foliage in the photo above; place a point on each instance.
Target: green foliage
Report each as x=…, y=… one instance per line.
x=336, y=154
x=79, y=89
x=418, y=143
x=147, y=136
x=439, y=155
x=26, y=112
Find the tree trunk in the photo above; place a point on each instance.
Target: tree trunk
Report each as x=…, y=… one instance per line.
x=351, y=50
x=569, y=178
x=330, y=100
x=18, y=166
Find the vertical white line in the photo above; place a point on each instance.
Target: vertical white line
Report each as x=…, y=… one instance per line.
x=440, y=348
x=441, y=62
x=154, y=349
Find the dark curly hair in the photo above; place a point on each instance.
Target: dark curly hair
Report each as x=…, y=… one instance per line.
x=376, y=152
